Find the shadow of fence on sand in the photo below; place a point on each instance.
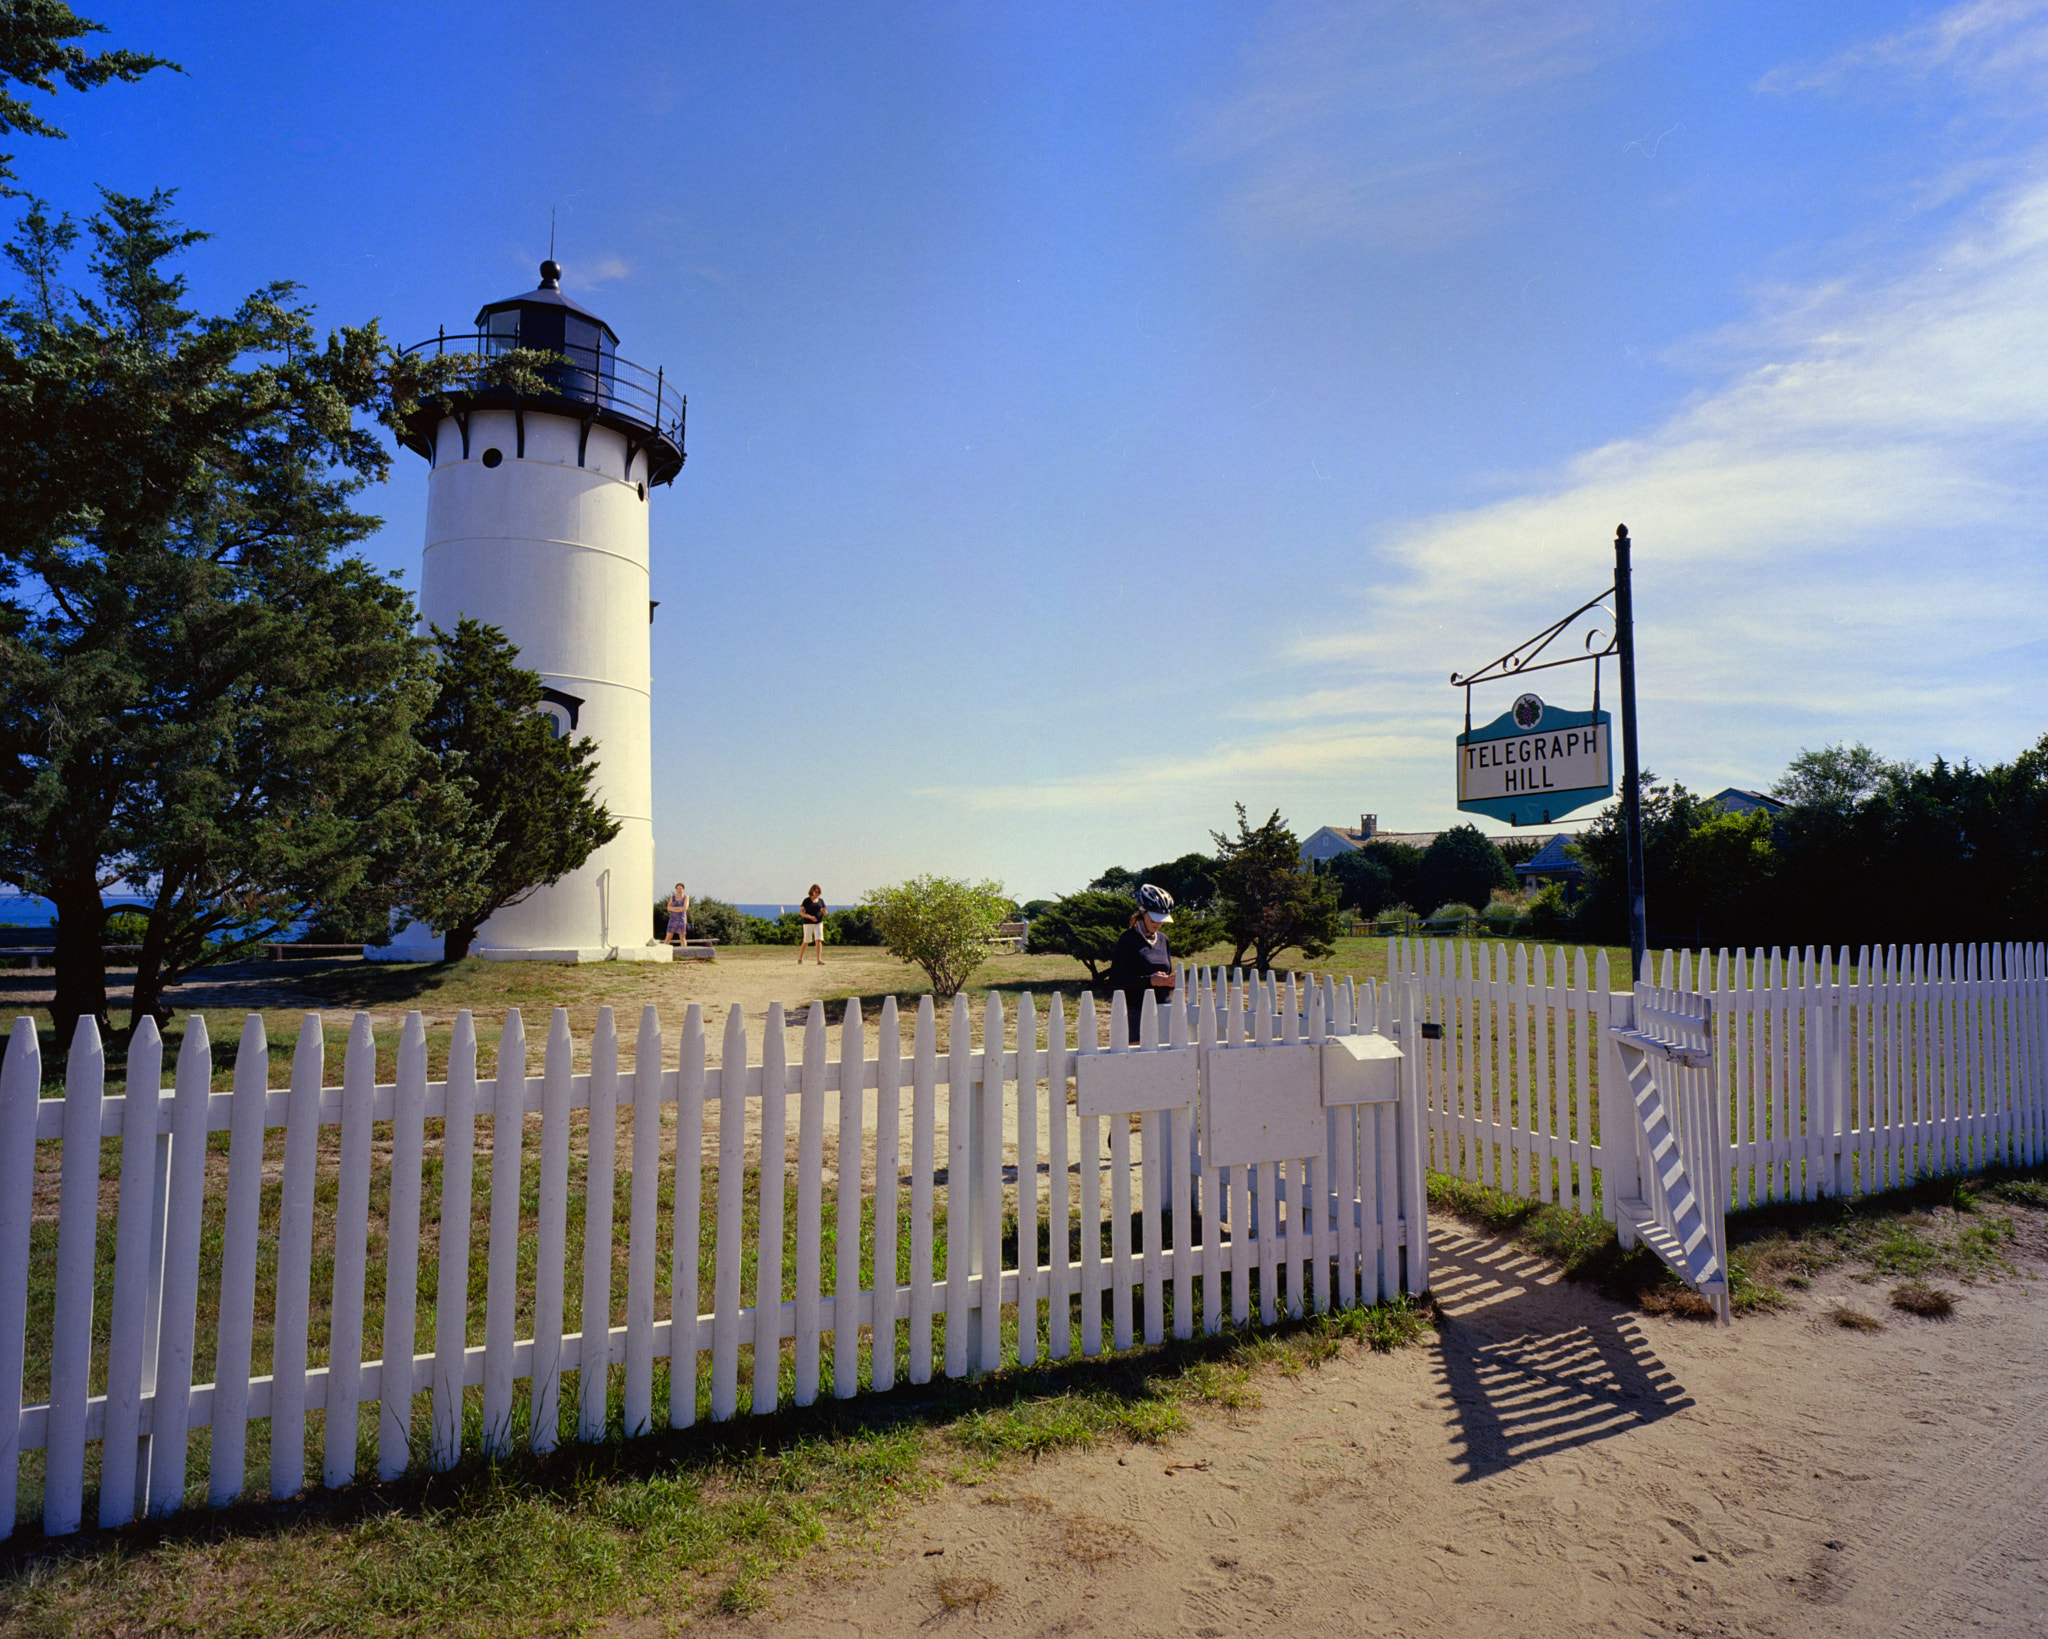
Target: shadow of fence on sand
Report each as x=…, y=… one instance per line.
x=1534, y=1365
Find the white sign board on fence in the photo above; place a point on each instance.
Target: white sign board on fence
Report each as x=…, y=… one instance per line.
x=1361, y=1070
x=1151, y=1078
x=1265, y=1103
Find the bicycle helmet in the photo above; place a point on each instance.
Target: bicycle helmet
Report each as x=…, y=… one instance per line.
x=1156, y=903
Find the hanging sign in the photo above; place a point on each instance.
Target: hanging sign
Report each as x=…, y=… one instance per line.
x=1535, y=763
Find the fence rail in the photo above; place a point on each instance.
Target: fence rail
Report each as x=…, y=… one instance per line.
x=972, y=1215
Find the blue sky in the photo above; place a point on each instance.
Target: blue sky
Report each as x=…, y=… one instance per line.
x=1100, y=415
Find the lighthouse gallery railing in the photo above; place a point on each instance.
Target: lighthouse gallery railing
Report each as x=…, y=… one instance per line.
x=585, y=375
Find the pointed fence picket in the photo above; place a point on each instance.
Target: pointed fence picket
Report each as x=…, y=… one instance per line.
x=1026, y=1231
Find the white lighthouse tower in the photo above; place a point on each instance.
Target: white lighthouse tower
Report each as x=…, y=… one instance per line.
x=537, y=524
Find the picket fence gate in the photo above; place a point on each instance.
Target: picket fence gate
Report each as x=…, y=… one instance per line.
x=1831, y=1072
x=1279, y=1234
x=1666, y=1055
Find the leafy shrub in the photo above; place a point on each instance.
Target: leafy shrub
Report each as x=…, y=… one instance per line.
x=715, y=919
x=941, y=924
x=127, y=928
x=853, y=926
x=785, y=929
x=1451, y=915
x=1505, y=916
x=1550, y=917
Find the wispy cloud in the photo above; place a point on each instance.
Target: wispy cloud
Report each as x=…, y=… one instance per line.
x=1997, y=45
x=1391, y=122
x=1842, y=538
x=1203, y=782
x=1833, y=535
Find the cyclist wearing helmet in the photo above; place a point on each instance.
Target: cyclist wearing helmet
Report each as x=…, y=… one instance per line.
x=1141, y=961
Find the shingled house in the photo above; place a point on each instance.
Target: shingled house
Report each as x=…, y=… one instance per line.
x=1735, y=800
x=1333, y=840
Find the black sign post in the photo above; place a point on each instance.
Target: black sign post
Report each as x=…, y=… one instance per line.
x=1631, y=783
x=1529, y=657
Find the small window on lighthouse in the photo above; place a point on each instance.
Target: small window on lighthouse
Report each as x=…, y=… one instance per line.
x=557, y=719
x=493, y=457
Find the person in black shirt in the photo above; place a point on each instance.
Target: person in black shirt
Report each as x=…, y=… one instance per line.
x=1141, y=961
x=811, y=913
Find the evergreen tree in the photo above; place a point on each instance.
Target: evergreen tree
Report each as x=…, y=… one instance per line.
x=1085, y=926
x=1364, y=883
x=1400, y=860
x=513, y=811
x=199, y=695
x=1670, y=814
x=37, y=50
x=1461, y=867
x=1271, y=902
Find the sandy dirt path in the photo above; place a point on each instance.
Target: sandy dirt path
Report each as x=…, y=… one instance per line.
x=1551, y=1465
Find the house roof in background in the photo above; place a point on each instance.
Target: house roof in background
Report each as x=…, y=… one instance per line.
x=1551, y=860
x=1331, y=840
x=1735, y=800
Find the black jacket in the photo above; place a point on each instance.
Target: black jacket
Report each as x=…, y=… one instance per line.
x=1132, y=966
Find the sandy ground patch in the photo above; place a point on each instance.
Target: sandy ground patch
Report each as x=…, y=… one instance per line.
x=1552, y=1464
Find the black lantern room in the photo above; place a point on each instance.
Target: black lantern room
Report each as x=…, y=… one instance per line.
x=546, y=319
x=582, y=377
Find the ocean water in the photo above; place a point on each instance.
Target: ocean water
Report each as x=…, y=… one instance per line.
x=26, y=911
x=20, y=910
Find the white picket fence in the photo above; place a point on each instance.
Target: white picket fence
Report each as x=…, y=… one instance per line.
x=1333, y=1215
x=1848, y=1073
x=1833, y=1072
x=1510, y=1081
